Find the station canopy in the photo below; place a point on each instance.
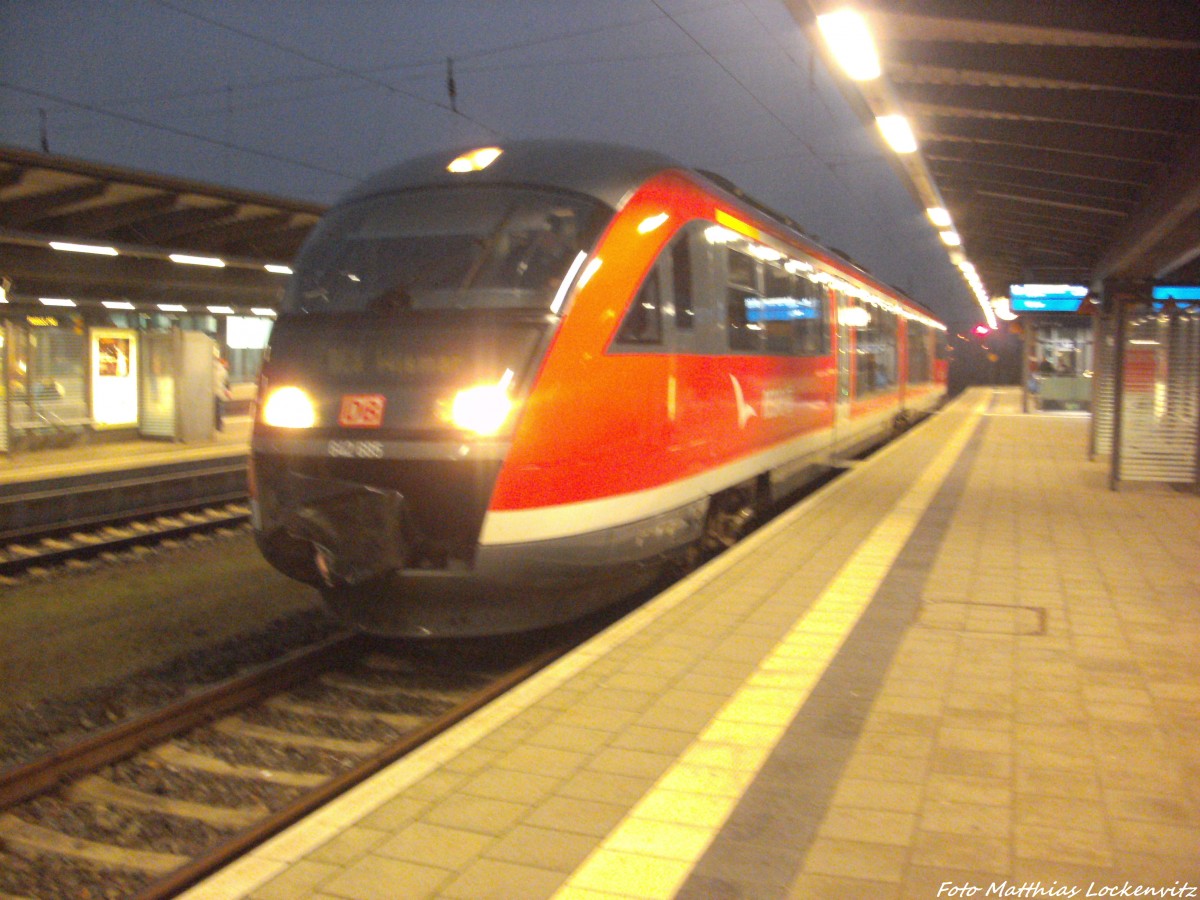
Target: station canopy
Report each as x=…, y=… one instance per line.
x=1062, y=137
x=133, y=222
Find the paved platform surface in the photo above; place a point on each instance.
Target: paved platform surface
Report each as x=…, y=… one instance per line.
x=966, y=669
x=36, y=465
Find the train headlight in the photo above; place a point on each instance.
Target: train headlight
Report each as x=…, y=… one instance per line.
x=289, y=407
x=483, y=408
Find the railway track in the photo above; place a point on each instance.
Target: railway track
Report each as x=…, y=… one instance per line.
x=153, y=805
x=45, y=524
x=56, y=549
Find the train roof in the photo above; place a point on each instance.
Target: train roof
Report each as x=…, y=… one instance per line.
x=607, y=172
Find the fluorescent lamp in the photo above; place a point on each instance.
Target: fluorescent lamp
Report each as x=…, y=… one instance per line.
x=939, y=216
x=84, y=248
x=715, y=234
x=1003, y=309
x=259, y=311
x=278, y=270
x=854, y=317
x=55, y=301
x=221, y=310
x=172, y=307
x=116, y=304
x=198, y=260
x=898, y=133
x=766, y=254
x=847, y=35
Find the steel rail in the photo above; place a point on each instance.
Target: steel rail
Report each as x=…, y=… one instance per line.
x=224, y=853
x=100, y=542
x=21, y=782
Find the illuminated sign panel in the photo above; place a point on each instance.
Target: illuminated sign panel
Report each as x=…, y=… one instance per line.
x=779, y=309
x=114, y=377
x=1176, y=292
x=1046, y=297
x=247, y=332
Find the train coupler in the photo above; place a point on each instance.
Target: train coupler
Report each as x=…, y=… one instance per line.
x=357, y=532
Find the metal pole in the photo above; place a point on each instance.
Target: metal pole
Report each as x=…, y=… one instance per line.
x=5, y=387
x=1114, y=477
x=1026, y=369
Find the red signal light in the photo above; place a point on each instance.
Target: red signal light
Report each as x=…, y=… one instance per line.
x=981, y=331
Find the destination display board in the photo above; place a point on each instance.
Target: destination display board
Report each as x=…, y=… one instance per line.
x=1046, y=297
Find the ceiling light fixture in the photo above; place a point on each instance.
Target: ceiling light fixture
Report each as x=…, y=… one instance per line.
x=187, y=260
x=897, y=132
x=849, y=39
x=84, y=248
x=939, y=216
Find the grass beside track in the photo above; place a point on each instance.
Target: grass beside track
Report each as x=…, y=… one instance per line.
x=77, y=630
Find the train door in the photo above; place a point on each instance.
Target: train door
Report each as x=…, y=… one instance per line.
x=693, y=333
x=845, y=355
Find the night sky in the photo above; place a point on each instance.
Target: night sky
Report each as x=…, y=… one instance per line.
x=303, y=98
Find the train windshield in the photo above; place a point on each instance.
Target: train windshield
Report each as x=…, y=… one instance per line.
x=448, y=248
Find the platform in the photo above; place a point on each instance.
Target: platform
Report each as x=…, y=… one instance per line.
x=965, y=666
x=101, y=456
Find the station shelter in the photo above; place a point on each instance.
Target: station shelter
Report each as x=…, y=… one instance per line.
x=1129, y=354
x=1147, y=407
x=122, y=295
x=86, y=371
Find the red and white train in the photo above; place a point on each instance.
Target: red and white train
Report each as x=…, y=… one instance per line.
x=508, y=386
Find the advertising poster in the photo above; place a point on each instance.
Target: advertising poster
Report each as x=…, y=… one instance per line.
x=114, y=377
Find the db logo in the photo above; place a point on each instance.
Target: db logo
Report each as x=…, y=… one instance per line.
x=361, y=411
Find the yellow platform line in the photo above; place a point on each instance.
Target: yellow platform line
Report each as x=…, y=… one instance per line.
x=654, y=848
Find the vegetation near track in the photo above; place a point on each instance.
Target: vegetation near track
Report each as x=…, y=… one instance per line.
x=74, y=630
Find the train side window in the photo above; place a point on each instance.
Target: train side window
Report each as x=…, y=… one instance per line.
x=778, y=309
x=810, y=335
x=889, y=354
x=920, y=368
x=643, y=321
x=681, y=281
x=875, y=352
x=743, y=326
x=742, y=332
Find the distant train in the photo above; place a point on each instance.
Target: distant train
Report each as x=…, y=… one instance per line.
x=508, y=386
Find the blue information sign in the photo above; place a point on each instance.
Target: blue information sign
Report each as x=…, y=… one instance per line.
x=1176, y=292
x=1046, y=297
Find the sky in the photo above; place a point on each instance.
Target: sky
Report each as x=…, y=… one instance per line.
x=302, y=99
